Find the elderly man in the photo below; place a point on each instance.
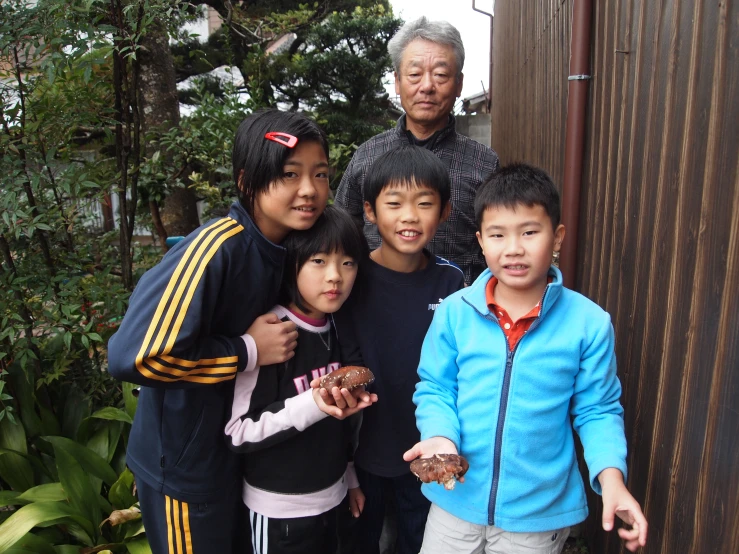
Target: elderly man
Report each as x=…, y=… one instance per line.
x=428, y=57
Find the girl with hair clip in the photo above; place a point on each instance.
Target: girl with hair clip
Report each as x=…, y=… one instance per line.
x=299, y=483
x=195, y=322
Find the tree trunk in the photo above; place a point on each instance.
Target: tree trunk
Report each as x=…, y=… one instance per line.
x=156, y=218
x=158, y=93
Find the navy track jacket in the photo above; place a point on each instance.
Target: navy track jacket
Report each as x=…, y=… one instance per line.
x=181, y=340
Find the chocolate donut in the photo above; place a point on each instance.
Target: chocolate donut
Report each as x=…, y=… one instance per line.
x=348, y=377
x=445, y=469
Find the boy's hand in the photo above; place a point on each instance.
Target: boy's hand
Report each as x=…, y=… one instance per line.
x=356, y=501
x=617, y=500
x=276, y=340
x=342, y=403
x=429, y=447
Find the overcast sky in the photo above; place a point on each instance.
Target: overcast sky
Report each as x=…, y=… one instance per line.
x=473, y=26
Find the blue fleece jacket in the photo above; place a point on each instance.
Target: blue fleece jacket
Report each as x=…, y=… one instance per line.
x=511, y=413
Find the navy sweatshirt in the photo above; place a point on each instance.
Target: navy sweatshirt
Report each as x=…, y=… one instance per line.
x=386, y=319
x=297, y=457
x=181, y=340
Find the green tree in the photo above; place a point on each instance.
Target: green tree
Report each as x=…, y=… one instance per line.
x=71, y=134
x=332, y=64
x=336, y=71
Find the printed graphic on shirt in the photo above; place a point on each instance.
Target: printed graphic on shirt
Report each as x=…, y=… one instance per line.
x=302, y=383
x=433, y=307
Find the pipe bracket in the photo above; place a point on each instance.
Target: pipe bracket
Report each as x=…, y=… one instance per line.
x=579, y=78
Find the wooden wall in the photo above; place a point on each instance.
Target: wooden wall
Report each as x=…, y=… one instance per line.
x=659, y=232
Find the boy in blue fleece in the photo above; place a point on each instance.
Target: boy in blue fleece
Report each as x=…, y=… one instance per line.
x=508, y=368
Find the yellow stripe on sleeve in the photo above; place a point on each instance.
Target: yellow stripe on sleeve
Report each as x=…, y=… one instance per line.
x=208, y=380
x=189, y=363
x=191, y=291
x=186, y=264
x=223, y=370
x=222, y=374
x=185, y=283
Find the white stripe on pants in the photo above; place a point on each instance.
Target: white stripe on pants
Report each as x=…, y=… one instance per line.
x=446, y=533
x=259, y=534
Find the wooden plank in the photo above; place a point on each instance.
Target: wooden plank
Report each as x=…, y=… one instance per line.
x=659, y=236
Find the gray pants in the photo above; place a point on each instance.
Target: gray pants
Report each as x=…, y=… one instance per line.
x=447, y=534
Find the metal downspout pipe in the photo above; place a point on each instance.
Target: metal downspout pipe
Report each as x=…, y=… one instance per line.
x=490, y=49
x=577, y=100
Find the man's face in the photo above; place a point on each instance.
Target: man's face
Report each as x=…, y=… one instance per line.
x=428, y=85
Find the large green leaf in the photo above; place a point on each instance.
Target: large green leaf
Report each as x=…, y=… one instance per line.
x=10, y=498
x=66, y=549
x=41, y=472
x=49, y=492
x=23, y=391
x=129, y=399
x=37, y=514
x=104, y=504
x=138, y=546
x=47, y=460
x=13, y=436
x=85, y=429
x=15, y=469
x=118, y=463
x=31, y=544
x=112, y=413
x=134, y=528
x=49, y=421
x=98, y=443
x=121, y=495
x=115, y=429
x=79, y=533
x=77, y=487
x=88, y=459
x=51, y=533
x=76, y=408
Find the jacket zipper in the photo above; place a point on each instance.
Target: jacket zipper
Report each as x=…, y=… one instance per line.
x=503, y=408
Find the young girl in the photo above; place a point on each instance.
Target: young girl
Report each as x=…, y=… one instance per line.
x=192, y=325
x=297, y=470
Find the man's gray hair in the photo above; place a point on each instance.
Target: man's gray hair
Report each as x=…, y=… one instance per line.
x=440, y=32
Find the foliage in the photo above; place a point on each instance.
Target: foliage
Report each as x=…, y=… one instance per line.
x=66, y=143
x=200, y=149
x=68, y=484
x=337, y=71
x=331, y=63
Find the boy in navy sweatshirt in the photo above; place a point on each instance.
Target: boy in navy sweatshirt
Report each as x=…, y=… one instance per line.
x=406, y=194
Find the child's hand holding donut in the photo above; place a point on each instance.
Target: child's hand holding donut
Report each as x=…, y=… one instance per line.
x=341, y=393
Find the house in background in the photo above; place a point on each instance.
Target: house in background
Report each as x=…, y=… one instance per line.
x=631, y=107
x=474, y=121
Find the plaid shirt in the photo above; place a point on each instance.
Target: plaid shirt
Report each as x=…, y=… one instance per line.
x=469, y=164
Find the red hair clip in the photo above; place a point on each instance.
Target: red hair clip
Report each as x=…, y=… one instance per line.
x=282, y=138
